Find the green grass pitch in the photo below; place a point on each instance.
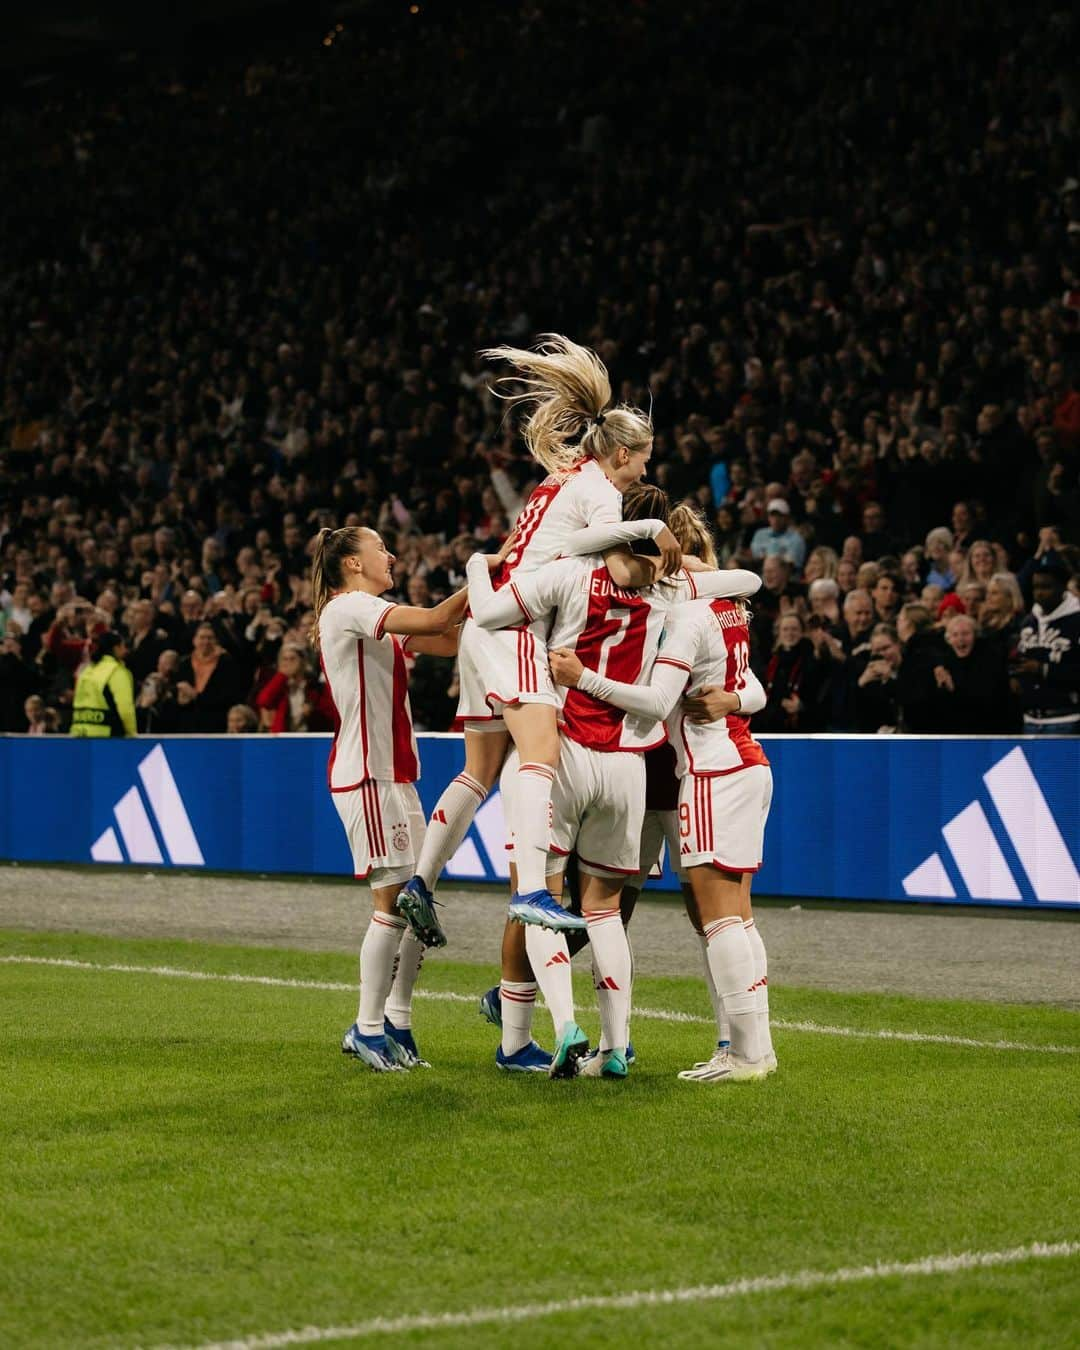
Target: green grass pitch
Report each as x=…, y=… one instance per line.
x=193, y=1161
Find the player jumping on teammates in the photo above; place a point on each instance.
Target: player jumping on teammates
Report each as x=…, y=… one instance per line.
x=593, y=452
x=599, y=791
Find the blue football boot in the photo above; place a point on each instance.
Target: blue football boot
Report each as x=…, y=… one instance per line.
x=541, y=907
x=370, y=1050
x=529, y=1059
x=402, y=1046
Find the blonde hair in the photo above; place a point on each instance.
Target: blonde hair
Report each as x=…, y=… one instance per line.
x=567, y=392
x=1008, y=583
x=687, y=523
x=331, y=548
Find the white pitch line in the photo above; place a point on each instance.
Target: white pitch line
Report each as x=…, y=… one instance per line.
x=650, y=1298
x=445, y=996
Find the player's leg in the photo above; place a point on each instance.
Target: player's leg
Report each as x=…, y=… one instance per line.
x=609, y=852
x=724, y=816
x=362, y=816
x=757, y=944
x=536, y=737
x=397, y=1021
x=549, y=959
x=485, y=750
x=511, y=1004
x=613, y=973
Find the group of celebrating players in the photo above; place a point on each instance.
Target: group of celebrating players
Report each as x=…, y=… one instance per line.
x=576, y=646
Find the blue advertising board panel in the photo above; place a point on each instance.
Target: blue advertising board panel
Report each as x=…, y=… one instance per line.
x=865, y=818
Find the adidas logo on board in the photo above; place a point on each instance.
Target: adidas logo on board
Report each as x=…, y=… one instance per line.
x=133, y=821
x=1030, y=829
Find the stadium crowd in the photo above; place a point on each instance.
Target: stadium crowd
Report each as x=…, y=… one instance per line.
x=244, y=303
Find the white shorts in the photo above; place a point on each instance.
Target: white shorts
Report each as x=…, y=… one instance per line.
x=508, y=665
x=384, y=823
x=722, y=818
x=597, y=801
x=658, y=828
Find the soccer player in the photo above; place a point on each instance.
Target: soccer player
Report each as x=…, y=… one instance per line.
x=724, y=796
x=592, y=453
x=374, y=764
x=598, y=796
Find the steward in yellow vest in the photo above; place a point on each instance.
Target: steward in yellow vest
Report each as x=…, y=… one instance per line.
x=105, y=692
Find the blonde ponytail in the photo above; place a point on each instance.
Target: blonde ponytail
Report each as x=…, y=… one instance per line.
x=567, y=390
x=687, y=523
x=331, y=546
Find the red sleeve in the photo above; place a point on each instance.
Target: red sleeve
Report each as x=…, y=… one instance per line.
x=272, y=692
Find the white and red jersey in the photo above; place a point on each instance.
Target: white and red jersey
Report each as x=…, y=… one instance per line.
x=613, y=632
x=709, y=640
x=561, y=506
x=365, y=669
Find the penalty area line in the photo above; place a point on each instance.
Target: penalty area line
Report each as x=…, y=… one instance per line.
x=447, y=996
x=801, y=1280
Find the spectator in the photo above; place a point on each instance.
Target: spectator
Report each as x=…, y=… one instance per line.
x=886, y=598
x=972, y=684
x=242, y=720
x=822, y=562
x=207, y=685
x=778, y=538
x=157, y=709
x=104, y=702
x=939, y=544
x=922, y=655
x=146, y=641
x=876, y=543
x=40, y=720
x=292, y=699
x=876, y=690
x=19, y=681
x=795, y=682
x=1048, y=655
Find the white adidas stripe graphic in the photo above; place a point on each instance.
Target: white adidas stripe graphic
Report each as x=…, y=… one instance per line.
x=1031, y=829
x=136, y=829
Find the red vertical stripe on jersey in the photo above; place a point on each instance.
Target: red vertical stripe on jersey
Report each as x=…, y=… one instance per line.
x=406, y=769
x=616, y=625
x=363, y=708
x=528, y=522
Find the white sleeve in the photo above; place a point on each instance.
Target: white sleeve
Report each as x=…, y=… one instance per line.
x=527, y=597
x=752, y=697
x=490, y=608
x=596, y=538
x=360, y=614
x=728, y=583
x=654, y=700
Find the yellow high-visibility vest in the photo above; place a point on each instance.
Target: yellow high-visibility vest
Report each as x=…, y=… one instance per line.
x=104, y=700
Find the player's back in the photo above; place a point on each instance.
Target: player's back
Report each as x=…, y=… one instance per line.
x=711, y=639
x=557, y=507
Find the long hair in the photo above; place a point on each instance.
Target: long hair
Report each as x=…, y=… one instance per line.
x=331, y=548
x=687, y=523
x=567, y=393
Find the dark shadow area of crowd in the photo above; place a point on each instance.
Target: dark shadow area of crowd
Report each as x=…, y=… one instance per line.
x=840, y=261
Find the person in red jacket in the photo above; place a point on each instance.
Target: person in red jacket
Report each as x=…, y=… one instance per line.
x=292, y=699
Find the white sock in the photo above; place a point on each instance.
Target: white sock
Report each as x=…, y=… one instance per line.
x=518, y=1000
x=549, y=957
x=410, y=957
x=731, y=960
x=377, y=957
x=613, y=967
x=532, y=826
x=723, y=1031
x=761, y=984
x=461, y=799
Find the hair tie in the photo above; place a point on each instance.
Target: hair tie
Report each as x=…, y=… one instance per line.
x=599, y=420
